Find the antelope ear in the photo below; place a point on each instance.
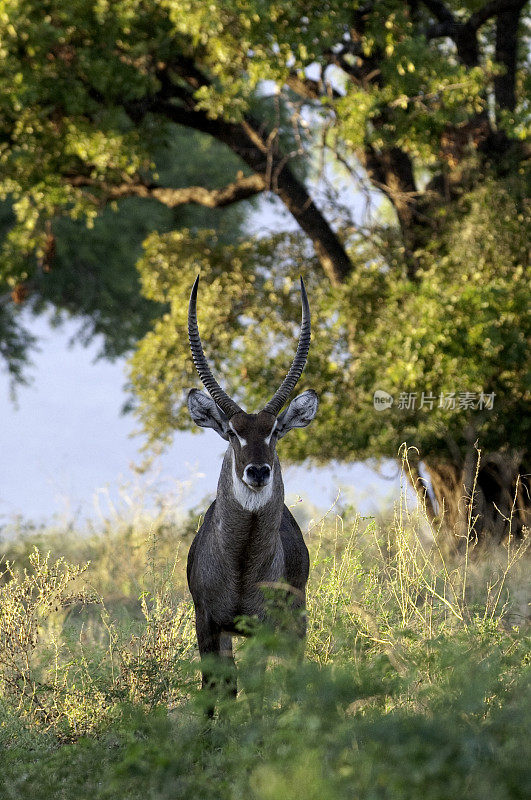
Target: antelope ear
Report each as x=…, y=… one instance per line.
x=206, y=413
x=298, y=414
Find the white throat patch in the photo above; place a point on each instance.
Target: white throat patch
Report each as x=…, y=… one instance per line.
x=246, y=497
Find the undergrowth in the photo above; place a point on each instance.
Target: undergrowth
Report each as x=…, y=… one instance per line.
x=415, y=682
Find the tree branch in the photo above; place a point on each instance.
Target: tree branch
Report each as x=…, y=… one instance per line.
x=506, y=53
x=493, y=9
x=238, y=190
x=440, y=11
x=260, y=152
x=464, y=34
x=391, y=170
x=311, y=90
x=351, y=59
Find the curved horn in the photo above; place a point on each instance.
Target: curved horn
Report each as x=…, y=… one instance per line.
x=209, y=382
x=288, y=384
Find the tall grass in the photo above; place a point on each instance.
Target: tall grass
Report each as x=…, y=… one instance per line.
x=414, y=683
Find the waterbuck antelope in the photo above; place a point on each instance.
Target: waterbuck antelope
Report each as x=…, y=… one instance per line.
x=249, y=539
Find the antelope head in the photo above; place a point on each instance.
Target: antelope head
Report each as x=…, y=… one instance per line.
x=252, y=437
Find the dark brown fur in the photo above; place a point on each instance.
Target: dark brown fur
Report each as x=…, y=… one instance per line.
x=238, y=550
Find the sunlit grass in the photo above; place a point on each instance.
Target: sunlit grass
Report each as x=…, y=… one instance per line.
x=413, y=684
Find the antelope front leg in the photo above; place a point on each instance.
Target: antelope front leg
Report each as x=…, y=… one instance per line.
x=214, y=647
x=229, y=667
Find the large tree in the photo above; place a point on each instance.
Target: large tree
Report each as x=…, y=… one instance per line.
x=421, y=104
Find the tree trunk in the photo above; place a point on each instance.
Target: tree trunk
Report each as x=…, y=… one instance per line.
x=485, y=502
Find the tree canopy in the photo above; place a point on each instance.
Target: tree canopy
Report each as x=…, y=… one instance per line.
x=421, y=105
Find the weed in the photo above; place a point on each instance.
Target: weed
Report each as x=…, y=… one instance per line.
x=414, y=684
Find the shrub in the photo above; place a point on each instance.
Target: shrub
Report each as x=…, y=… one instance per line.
x=414, y=685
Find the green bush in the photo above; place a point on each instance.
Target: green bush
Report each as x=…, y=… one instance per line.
x=415, y=682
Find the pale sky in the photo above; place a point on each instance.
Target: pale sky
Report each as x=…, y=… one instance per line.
x=65, y=448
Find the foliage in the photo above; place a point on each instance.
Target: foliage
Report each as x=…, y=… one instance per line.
x=93, y=275
x=27, y=601
x=426, y=90
x=63, y=247
x=15, y=341
x=81, y=79
x=415, y=680
x=422, y=105
x=447, y=333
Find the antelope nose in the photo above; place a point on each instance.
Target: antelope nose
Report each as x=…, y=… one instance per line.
x=257, y=475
